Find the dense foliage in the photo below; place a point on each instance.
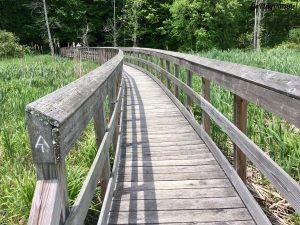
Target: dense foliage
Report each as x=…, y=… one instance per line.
x=172, y=24
x=9, y=46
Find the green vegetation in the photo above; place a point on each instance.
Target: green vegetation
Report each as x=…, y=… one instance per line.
x=277, y=137
x=174, y=24
x=22, y=81
x=9, y=46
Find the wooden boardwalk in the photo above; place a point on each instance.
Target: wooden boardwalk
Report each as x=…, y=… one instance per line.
x=167, y=175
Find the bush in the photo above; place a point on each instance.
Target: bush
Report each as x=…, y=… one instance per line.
x=294, y=36
x=9, y=46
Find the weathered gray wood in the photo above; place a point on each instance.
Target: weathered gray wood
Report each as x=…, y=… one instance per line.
x=64, y=108
x=177, y=204
x=206, y=95
x=141, y=217
x=255, y=210
x=177, y=194
x=46, y=203
x=112, y=181
x=100, y=129
x=274, y=91
x=240, y=120
x=176, y=90
x=189, y=82
x=84, y=198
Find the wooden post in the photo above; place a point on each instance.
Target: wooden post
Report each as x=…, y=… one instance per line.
x=100, y=129
x=147, y=58
x=113, y=98
x=177, y=76
x=240, y=120
x=162, y=66
x=189, y=81
x=206, y=95
x=47, y=159
x=169, y=70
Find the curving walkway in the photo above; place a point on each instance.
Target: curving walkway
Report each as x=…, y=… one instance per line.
x=166, y=174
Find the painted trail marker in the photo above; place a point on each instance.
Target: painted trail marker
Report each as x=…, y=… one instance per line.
x=42, y=144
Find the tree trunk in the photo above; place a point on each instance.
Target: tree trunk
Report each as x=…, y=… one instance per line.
x=257, y=24
x=115, y=37
x=48, y=29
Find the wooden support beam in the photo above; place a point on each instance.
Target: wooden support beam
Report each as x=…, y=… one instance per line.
x=169, y=70
x=206, y=95
x=162, y=66
x=176, y=89
x=240, y=120
x=100, y=129
x=189, y=81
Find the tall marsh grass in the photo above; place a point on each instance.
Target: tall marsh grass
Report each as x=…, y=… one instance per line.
x=22, y=81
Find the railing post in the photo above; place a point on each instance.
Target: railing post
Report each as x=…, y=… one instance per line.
x=177, y=76
x=113, y=98
x=240, y=120
x=147, y=58
x=100, y=129
x=169, y=70
x=47, y=159
x=206, y=95
x=162, y=66
x=189, y=81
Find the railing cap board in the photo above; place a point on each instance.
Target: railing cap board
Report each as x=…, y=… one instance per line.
x=283, y=83
x=58, y=106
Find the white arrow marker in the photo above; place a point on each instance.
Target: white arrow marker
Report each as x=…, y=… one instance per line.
x=41, y=142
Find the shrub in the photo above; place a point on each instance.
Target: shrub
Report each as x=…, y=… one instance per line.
x=294, y=36
x=9, y=46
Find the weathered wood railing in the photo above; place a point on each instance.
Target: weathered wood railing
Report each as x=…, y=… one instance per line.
x=276, y=92
x=56, y=121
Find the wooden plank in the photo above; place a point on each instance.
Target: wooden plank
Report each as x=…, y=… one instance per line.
x=206, y=95
x=255, y=210
x=176, y=204
x=189, y=82
x=84, y=198
x=64, y=108
x=148, y=177
x=212, y=215
x=240, y=120
x=176, y=194
x=168, y=169
x=104, y=213
x=176, y=90
x=100, y=128
x=150, y=157
x=171, y=185
x=276, y=92
x=287, y=186
x=46, y=203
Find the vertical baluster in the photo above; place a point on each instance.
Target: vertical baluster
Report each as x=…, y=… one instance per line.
x=206, y=95
x=100, y=129
x=240, y=120
x=169, y=70
x=177, y=76
x=189, y=80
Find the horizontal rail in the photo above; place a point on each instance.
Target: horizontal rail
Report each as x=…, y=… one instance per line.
x=287, y=186
x=55, y=123
x=254, y=209
x=84, y=198
x=278, y=93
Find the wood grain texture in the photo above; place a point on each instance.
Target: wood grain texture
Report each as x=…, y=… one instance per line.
x=46, y=204
x=163, y=170
x=274, y=91
x=253, y=207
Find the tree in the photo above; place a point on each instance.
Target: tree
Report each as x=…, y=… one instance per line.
x=257, y=24
x=48, y=28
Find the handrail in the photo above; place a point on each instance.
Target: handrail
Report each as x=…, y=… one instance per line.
x=56, y=121
x=277, y=92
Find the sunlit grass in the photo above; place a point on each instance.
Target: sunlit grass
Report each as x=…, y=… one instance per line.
x=22, y=81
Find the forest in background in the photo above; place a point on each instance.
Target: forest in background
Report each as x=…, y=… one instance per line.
x=186, y=25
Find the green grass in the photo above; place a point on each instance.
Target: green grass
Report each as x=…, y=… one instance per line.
x=22, y=81
x=275, y=136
